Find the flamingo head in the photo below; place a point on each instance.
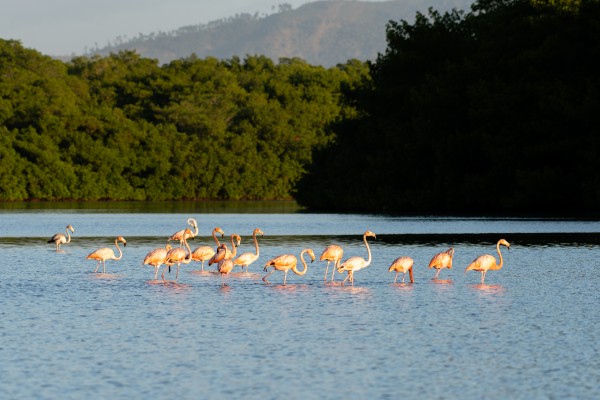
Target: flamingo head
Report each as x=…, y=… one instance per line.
x=192, y=222
x=238, y=239
x=70, y=227
x=219, y=230
x=450, y=252
x=258, y=232
x=168, y=247
x=122, y=239
x=503, y=242
x=311, y=254
x=371, y=234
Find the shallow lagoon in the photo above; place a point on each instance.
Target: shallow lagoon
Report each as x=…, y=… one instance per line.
x=533, y=331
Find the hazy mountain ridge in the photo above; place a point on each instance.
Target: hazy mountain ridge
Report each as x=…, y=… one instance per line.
x=322, y=33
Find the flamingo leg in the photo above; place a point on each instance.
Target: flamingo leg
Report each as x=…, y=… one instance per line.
x=326, y=270
x=483, y=276
x=267, y=275
x=284, y=277
x=103, y=267
x=403, y=277
x=177, y=273
x=437, y=273
x=345, y=279
x=202, y=265
x=97, y=266
x=396, y=277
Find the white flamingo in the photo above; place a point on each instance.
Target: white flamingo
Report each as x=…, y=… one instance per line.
x=245, y=259
x=60, y=238
x=356, y=263
x=105, y=253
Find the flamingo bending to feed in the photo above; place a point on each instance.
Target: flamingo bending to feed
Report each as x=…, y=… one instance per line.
x=205, y=253
x=225, y=266
x=356, y=263
x=178, y=256
x=286, y=262
x=156, y=258
x=442, y=260
x=60, y=238
x=403, y=264
x=105, y=253
x=487, y=262
x=332, y=253
x=245, y=259
x=185, y=233
x=227, y=254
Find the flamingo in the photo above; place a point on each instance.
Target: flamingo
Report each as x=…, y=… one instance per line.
x=182, y=233
x=403, y=264
x=245, y=259
x=286, y=262
x=205, y=253
x=227, y=254
x=225, y=266
x=487, y=262
x=332, y=253
x=442, y=260
x=178, y=256
x=59, y=238
x=105, y=253
x=356, y=263
x=156, y=258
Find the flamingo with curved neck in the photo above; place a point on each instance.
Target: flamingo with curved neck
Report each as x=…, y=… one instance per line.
x=178, y=256
x=223, y=253
x=205, y=253
x=60, y=238
x=285, y=262
x=245, y=259
x=356, y=263
x=105, y=253
x=487, y=262
x=185, y=233
x=402, y=264
x=156, y=258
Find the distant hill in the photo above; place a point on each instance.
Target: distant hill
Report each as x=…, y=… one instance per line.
x=322, y=33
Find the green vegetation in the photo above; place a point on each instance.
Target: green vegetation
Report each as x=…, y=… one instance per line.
x=122, y=128
x=494, y=111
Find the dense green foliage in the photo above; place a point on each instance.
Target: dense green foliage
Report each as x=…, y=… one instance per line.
x=120, y=127
x=494, y=111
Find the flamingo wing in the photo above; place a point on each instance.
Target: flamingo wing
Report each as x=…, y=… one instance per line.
x=156, y=256
x=245, y=259
x=282, y=261
x=332, y=253
x=352, y=264
x=439, y=260
x=482, y=263
x=202, y=253
x=101, y=254
x=401, y=264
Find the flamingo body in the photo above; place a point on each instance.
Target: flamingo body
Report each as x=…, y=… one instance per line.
x=185, y=234
x=225, y=267
x=404, y=265
x=178, y=256
x=203, y=253
x=487, y=262
x=156, y=258
x=332, y=253
x=442, y=260
x=105, y=253
x=60, y=238
x=245, y=259
x=286, y=262
x=356, y=263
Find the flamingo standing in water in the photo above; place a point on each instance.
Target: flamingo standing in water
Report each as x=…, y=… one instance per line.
x=227, y=254
x=178, y=256
x=356, y=263
x=225, y=266
x=403, y=264
x=205, y=253
x=332, y=253
x=487, y=262
x=245, y=259
x=442, y=260
x=286, y=262
x=156, y=258
x=183, y=234
x=60, y=238
x=105, y=253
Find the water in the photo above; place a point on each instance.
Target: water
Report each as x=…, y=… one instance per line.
x=533, y=331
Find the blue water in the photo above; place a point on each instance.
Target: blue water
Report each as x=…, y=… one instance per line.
x=533, y=331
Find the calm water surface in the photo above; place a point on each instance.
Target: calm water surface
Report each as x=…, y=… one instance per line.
x=533, y=331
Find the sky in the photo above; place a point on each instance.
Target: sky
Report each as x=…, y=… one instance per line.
x=67, y=27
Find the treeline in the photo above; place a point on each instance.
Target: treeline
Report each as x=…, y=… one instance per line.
x=122, y=128
x=494, y=111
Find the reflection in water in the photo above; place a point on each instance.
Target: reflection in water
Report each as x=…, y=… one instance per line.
x=405, y=287
x=488, y=288
x=106, y=275
x=442, y=281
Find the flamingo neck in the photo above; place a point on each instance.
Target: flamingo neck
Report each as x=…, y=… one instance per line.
x=188, y=257
x=233, y=247
x=68, y=237
x=118, y=248
x=214, y=235
x=498, y=266
x=298, y=272
x=368, y=251
x=256, y=244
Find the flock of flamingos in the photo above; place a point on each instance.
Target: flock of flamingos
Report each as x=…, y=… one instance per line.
x=226, y=259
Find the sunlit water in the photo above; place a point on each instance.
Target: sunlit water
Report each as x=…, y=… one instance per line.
x=532, y=331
